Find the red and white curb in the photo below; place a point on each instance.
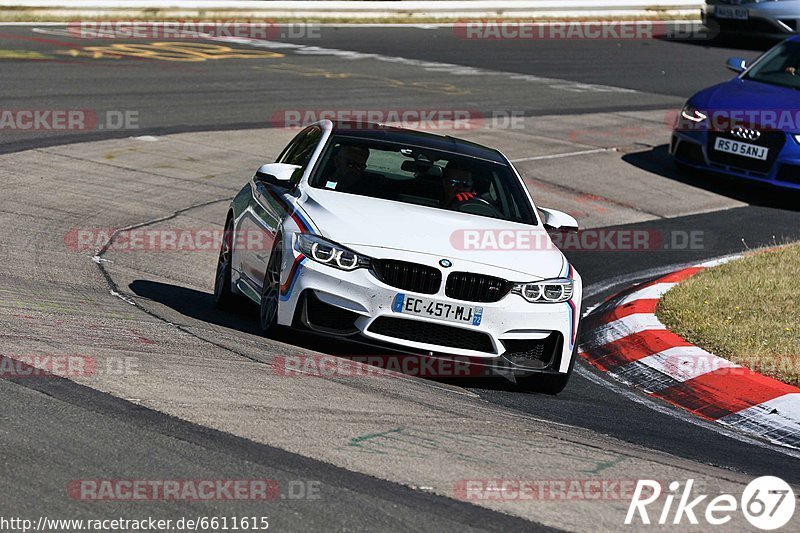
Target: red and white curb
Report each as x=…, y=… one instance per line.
x=624, y=338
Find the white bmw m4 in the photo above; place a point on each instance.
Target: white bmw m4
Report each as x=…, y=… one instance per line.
x=424, y=242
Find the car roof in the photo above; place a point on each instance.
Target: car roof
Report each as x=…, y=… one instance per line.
x=393, y=134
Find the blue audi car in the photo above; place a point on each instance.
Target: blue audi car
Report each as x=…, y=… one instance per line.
x=748, y=127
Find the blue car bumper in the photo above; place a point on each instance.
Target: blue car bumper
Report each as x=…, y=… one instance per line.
x=695, y=149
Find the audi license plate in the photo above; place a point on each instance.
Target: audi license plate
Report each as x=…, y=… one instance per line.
x=462, y=314
x=729, y=12
x=739, y=148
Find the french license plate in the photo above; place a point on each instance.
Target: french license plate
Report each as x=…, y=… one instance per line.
x=739, y=148
x=730, y=12
x=462, y=314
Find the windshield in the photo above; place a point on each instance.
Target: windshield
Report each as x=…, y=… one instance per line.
x=422, y=176
x=781, y=66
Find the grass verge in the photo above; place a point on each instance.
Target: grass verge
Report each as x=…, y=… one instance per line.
x=747, y=311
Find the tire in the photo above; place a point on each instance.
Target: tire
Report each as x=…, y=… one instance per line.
x=270, y=291
x=224, y=297
x=551, y=384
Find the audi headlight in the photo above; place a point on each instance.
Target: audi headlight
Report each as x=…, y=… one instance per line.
x=328, y=252
x=796, y=138
x=546, y=291
x=693, y=114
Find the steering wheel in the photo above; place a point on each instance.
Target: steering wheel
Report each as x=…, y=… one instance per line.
x=478, y=206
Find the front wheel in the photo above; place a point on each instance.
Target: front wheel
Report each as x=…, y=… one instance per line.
x=270, y=291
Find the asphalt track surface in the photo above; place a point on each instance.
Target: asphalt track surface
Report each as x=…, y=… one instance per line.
x=175, y=96
x=54, y=430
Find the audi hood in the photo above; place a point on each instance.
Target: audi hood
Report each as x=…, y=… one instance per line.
x=742, y=95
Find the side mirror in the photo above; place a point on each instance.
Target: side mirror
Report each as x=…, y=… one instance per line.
x=558, y=220
x=275, y=173
x=736, y=64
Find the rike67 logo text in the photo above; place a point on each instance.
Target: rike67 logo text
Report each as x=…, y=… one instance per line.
x=767, y=503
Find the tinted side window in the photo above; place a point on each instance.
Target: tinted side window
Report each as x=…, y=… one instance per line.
x=290, y=148
x=301, y=152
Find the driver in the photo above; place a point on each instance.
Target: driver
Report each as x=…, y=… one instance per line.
x=349, y=164
x=457, y=187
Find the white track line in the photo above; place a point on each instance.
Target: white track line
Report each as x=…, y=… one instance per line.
x=558, y=156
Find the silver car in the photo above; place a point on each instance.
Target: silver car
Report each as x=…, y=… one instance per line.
x=764, y=18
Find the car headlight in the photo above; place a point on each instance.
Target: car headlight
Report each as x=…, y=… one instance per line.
x=546, y=291
x=796, y=138
x=693, y=114
x=328, y=252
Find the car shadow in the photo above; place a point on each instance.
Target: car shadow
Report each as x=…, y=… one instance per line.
x=658, y=161
x=199, y=305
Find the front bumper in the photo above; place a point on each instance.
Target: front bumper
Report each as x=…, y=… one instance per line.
x=691, y=148
x=545, y=333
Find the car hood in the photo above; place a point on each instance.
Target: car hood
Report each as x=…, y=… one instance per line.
x=370, y=224
x=745, y=95
x=776, y=8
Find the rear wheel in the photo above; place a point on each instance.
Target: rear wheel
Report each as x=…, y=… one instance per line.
x=270, y=290
x=224, y=297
